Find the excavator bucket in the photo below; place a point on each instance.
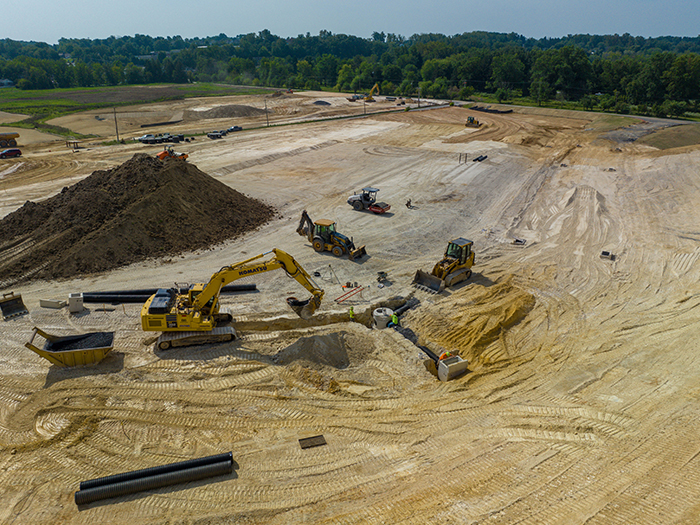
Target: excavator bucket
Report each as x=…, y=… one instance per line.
x=304, y=309
x=358, y=253
x=428, y=282
x=12, y=305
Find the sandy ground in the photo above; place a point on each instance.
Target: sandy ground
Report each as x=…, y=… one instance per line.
x=580, y=405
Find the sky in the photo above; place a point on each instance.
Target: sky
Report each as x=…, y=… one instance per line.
x=49, y=20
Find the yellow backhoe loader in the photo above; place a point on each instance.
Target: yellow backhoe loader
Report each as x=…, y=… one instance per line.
x=323, y=237
x=195, y=317
x=454, y=267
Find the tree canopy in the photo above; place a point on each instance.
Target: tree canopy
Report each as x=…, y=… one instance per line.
x=608, y=71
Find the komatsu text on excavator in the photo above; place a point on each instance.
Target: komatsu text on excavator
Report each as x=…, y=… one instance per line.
x=195, y=317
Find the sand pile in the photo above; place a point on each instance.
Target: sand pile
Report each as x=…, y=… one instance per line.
x=141, y=209
x=337, y=350
x=474, y=321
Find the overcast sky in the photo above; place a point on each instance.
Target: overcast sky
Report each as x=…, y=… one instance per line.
x=49, y=20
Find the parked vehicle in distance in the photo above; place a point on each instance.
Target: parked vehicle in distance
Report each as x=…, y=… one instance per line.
x=149, y=138
x=9, y=153
x=234, y=128
x=214, y=135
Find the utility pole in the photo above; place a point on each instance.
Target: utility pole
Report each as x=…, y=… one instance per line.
x=115, y=123
x=266, y=117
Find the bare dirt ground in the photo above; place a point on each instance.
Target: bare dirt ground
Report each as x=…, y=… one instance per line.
x=581, y=401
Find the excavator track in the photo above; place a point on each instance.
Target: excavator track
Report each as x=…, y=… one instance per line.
x=220, y=334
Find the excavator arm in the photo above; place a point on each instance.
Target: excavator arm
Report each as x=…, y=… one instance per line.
x=280, y=259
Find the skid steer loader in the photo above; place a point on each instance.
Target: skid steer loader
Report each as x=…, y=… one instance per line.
x=323, y=237
x=454, y=267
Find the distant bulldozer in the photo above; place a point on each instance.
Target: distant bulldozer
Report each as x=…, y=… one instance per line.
x=472, y=123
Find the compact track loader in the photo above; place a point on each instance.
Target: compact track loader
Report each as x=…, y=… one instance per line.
x=454, y=267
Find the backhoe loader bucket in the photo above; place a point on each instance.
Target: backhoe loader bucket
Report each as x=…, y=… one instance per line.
x=358, y=253
x=12, y=305
x=428, y=282
x=304, y=309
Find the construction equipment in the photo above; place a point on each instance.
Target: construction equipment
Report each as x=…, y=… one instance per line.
x=472, y=122
x=12, y=305
x=8, y=139
x=373, y=91
x=323, y=237
x=73, y=350
x=194, y=317
x=169, y=153
x=447, y=365
x=452, y=269
x=367, y=200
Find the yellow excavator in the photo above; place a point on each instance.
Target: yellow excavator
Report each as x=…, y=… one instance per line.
x=373, y=91
x=195, y=317
x=454, y=267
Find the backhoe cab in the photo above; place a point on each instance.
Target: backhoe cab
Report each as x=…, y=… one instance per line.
x=454, y=267
x=323, y=237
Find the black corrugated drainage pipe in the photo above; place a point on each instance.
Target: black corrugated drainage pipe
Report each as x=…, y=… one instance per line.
x=154, y=477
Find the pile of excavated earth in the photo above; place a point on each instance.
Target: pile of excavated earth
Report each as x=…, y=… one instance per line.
x=141, y=209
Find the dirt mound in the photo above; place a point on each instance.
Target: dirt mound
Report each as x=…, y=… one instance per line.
x=227, y=111
x=336, y=350
x=143, y=208
x=473, y=319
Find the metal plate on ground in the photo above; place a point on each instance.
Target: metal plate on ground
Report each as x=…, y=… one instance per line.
x=315, y=441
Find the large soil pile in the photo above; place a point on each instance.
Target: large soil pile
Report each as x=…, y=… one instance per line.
x=143, y=208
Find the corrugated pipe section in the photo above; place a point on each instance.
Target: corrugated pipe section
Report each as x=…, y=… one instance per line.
x=154, y=477
x=142, y=295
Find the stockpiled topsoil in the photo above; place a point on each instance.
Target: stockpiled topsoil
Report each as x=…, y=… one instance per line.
x=142, y=209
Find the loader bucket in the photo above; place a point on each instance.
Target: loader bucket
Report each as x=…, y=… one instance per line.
x=428, y=282
x=12, y=305
x=304, y=309
x=451, y=367
x=358, y=253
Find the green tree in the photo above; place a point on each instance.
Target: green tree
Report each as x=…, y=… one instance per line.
x=326, y=70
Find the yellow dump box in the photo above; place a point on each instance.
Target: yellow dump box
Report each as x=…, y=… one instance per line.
x=73, y=350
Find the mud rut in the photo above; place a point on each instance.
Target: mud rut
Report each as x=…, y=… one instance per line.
x=581, y=403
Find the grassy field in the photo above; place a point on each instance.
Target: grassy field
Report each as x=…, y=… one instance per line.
x=675, y=137
x=44, y=105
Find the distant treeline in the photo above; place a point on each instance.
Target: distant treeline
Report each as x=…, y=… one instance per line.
x=658, y=76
